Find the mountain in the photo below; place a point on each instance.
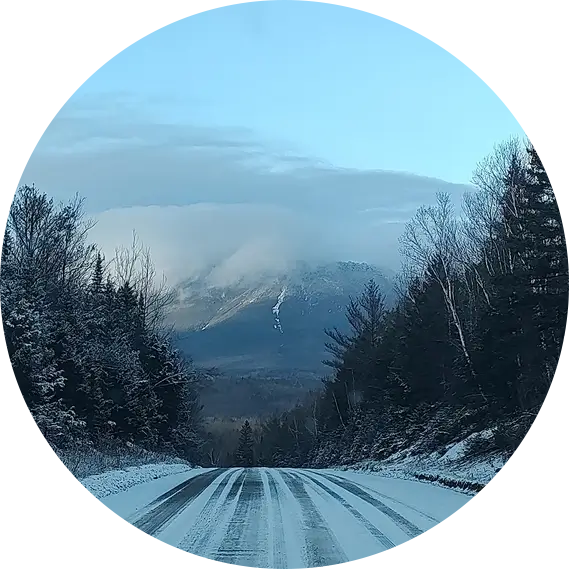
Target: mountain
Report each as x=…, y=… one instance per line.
x=265, y=334
x=272, y=322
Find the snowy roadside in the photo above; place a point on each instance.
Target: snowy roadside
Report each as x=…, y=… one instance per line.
x=115, y=481
x=449, y=468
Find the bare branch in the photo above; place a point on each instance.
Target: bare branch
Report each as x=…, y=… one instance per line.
x=134, y=266
x=432, y=245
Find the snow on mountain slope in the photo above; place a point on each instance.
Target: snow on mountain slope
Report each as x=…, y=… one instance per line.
x=277, y=308
x=203, y=304
x=271, y=326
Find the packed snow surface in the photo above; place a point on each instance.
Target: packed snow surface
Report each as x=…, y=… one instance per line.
x=261, y=518
x=114, y=481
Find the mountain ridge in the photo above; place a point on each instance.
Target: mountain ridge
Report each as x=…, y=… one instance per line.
x=203, y=304
x=266, y=335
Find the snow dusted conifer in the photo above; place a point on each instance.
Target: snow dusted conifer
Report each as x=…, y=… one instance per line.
x=86, y=363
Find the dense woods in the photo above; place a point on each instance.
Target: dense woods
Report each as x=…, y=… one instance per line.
x=86, y=339
x=471, y=345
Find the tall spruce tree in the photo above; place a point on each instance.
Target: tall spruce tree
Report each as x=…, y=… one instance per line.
x=245, y=451
x=359, y=371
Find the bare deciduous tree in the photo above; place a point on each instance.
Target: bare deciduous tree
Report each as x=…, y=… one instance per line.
x=133, y=265
x=497, y=179
x=432, y=245
x=49, y=243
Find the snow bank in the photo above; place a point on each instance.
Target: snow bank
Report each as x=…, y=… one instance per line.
x=449, y=467
x=115, y=481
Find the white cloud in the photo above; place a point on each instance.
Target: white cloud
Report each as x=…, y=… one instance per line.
x=201, y=196
x=238, y=239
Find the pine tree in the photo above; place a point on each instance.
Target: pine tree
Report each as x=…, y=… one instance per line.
x=421, y=343
x=245, y=453
x=7, y=246
x=521, y=328
x=97, y=285
x=30, y=333
x=87, y=366
x=472, y=343
x=547, y=261
x=360, y=371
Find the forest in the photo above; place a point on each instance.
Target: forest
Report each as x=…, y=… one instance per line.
x=87, y=341
x=471, y=344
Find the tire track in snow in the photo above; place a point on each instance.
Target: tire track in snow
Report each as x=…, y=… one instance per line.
x=162, y=497
x=379, y=535
x=408, y=527
x=154, y=520
x=277, y=558
x=321, y=545
x=385, y=496
x=244, y=543
x=197, y=539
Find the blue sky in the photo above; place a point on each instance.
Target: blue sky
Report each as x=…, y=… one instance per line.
x=317, y=111
x=426, y=87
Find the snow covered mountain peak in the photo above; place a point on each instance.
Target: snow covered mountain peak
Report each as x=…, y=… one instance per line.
x=203, y=304
x=271, y=323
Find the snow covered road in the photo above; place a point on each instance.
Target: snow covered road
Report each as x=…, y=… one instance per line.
x=247, y=518
x=283, y=518
x=263, y=518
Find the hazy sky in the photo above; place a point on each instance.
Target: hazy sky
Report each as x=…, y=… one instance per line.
x=269, y=131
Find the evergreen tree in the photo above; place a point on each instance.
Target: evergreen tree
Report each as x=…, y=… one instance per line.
x=245, y=454
x=88, y=367
x=97, y=278
x=358, y=370
x=472, y=342
x=421, y=344
x=6, y=247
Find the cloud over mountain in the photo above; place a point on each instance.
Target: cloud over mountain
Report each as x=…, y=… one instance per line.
x=202, y=195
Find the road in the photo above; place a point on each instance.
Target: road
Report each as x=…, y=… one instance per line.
x=284, y=518
x=278, y=519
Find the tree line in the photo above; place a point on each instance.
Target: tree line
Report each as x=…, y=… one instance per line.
x=471, y=345
x=87, y=339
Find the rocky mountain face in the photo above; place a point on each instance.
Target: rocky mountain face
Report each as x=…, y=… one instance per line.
x=273, y=323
